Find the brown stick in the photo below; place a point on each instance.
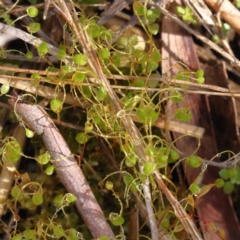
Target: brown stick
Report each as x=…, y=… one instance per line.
x=67, y=168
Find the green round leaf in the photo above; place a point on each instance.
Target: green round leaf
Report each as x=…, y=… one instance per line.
x=32, y=11
x=149, y=168
x=176, y=96
x=151, y=151
x=29, y=133
x=138, y=83
x=161, y=161
x=224, y=174
x=37, y=198
x=44, y=158
x=58, y=200
x=147, y=115
x=15, y=192
x=180, y=11
x=29, y=234
x=33, y=27
x=79, y=77
x=67, y=69
x=70, y=197
x=109, y=185
x=5, y=88
x=56, y=105
x=29, y=55
x=194, y=188
x=42, y=49
x=149, y=66
x=139, y=8
x=128, y=179
x=58, y=231
x=12, y=151
x=131, y=160
x=194, y=161
x=116, y=220
x=61, y=54
x=219, y=183
x=101, y=94
x=35, y=76
x=122, y=42
x=155, y=55
x=72, y=234
x=216, y=39
x=88, y=127
x=104, y=53
x=94, y=31
x=200, y=80
x=174, y=156
x=153, y=28
x=82, y=137
x=80, y=59
x=183, y=114
x=17, y=237
x=199, y=73
x=228, y=187
x=49, y=171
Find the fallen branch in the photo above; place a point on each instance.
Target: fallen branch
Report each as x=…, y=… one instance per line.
x=66, y=167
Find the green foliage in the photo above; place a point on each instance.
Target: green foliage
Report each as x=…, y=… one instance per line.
x=176, y=96
x=194, y=188
x=103, y=145
x=44, y=158
x=186, y=14
x=226, y=28
x=34, y=27
x=32, y=11
x=219, y=183
x=29, y=133
x=11, y=151
x=49, y=170
x=232, y=174
x=183, y=114
x=56, y=105
x=82, y=138
x=29, y=55
x=147, y=115
x=116, y=219
x=194, y=161
x=131, y=160
x=149, y=168
x=228, y=187
x=5, y=88
x=7, y=19
x=61, y=52
x=37, y=198
x=199, y=74
x=80, y=59
x=42, y=49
